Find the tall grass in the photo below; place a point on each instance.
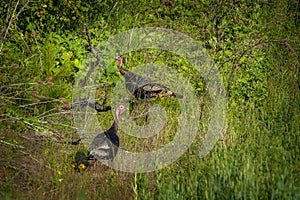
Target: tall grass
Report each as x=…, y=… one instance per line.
x=256, y=158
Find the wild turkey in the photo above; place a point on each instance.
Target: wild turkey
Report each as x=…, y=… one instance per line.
x=143, y=87
x=105, y=145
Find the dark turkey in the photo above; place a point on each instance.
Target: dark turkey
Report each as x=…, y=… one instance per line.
x=105, y=145
x=143, y=87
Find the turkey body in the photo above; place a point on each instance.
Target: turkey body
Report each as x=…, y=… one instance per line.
x=144, y=87
x=105, y=145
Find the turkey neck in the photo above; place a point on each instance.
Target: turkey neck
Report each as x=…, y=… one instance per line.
x=114, y=127
x=121, y=70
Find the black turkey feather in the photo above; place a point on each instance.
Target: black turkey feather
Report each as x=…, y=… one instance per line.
x=105, y=145
x=143, y=87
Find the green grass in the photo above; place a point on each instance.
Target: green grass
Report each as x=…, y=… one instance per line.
x=258, y=154
x=257, y=158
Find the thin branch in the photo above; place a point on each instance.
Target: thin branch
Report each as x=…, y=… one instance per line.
x=94, y=52
x=12, y=19
x=20, y=11
x=94, y=104
x=13, y=145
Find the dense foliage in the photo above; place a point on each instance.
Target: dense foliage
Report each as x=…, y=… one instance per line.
x=255, y=45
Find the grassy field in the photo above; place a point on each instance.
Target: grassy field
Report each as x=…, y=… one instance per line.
x=255, y=47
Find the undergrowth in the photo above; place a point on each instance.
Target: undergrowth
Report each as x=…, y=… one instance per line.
x=255, y=47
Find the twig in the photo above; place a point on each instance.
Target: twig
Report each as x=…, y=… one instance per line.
x=95, y=105
x=21, y=10
x=75, y=142
x=12, y=19
x=13, y=145
x=94, y=52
